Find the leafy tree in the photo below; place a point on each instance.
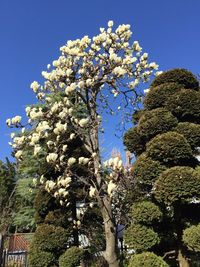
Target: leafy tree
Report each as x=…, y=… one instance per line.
x=166, y=172
x=88, y=74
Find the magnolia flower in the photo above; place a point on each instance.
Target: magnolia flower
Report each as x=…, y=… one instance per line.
x=92, y=191
x=110, y=23
x=72, y=135
x=71, y=161
x=35, y=86
x=50, y=185
x=52, y=157
x=83, y=122
x=37, y=149
x=111, y=187
x=16, y=119
x=18, y=154
x=8, y=122
x=50, y=144
x=64, y=148
x=146, y=90
x=83, y=160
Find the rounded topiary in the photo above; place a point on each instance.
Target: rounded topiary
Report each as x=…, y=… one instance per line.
x=58, y=217
x=147, y=259
x=157, y=96
x=180, y=76
x=185, y=105
x=191, y=238
x=137, y=115
x=155, y=122
x=51, y=238
x=140, y=237
x=145, y=212
x=71, y=257
x=170, y=148
x=177, y=184
x=38, y=258
x=191, y=132
x=145, y=170
x=134, y=142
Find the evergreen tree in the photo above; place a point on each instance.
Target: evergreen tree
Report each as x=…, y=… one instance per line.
x=166, y=139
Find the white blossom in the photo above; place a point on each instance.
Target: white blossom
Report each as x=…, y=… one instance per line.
x=71, y=161
x=52, y=157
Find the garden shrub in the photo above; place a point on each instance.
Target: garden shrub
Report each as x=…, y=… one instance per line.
x=155, y=122
x=38, y=258
x=134, y=142
x=51, y=238
x=191, y=237
x=146, y=170
x=147, y=259
x=180, y=76
x=178, y=183
x=185, y=105
x=140, y=238
x=158, y=96
x=191, y=132
x=170, y=148
x=71, y=257
x=146, y=213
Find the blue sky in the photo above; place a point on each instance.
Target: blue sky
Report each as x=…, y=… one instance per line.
x=31, y=33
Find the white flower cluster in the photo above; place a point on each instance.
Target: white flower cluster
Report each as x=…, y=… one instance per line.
x=114, y=163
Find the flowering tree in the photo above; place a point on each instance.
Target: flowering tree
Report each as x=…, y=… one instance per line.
x=78, y=87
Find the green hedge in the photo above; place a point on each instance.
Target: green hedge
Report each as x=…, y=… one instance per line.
x=38, y=258
x=191, y=238
x=71, y=257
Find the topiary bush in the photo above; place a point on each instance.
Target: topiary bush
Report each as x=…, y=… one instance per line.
x=185, y=105
x=38, y=258
x=180, y=76
x=50, y=238
x=155, y=122
x=158, y=96
x=147, y=259
x=140, y=237
x=191, y=132
x=145, y=170
x=191, y=238
x=146, y=213
x=177, y=184
x=137, y=115
x=58, y=217
x=170, y=149
x=71, y=257
x=134, y=142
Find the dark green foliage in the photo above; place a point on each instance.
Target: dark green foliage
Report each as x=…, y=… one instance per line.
x=57, y=217
x=145, y=170
x=179, y=76
x=72, y=257
x=146, y=213
x=155, y=122
x=51, y=238
x=140, y=238
x=180, y=184
x=191, y=132
x=185, y=105
x=38, y=258
x=137, y=115
x=170, y=148
x=133, y=141
x=191, y=237
x=147, y=259
x=158, y=96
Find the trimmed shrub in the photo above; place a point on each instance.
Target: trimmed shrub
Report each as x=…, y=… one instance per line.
x=71, y=257
x=191, y=132
x=58, y=218
x=157, y=96
x=38, y=258
x=170, y=148
x=180, y=76
x=133, y=141
x=147, y=259
x=140, y=237
x=185, y=105
x=155, y=122
x=146, y=212
x=191, y=238
x=137, y=115
x=50, y=238
x=177, y=184
x=146, y=171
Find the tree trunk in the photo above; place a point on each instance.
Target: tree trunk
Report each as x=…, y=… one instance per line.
x=110, y=254
x=183, y=262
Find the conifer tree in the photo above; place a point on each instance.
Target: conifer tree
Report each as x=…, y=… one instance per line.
x=166, y=139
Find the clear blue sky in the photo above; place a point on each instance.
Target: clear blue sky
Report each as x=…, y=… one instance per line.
x=31, y=33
